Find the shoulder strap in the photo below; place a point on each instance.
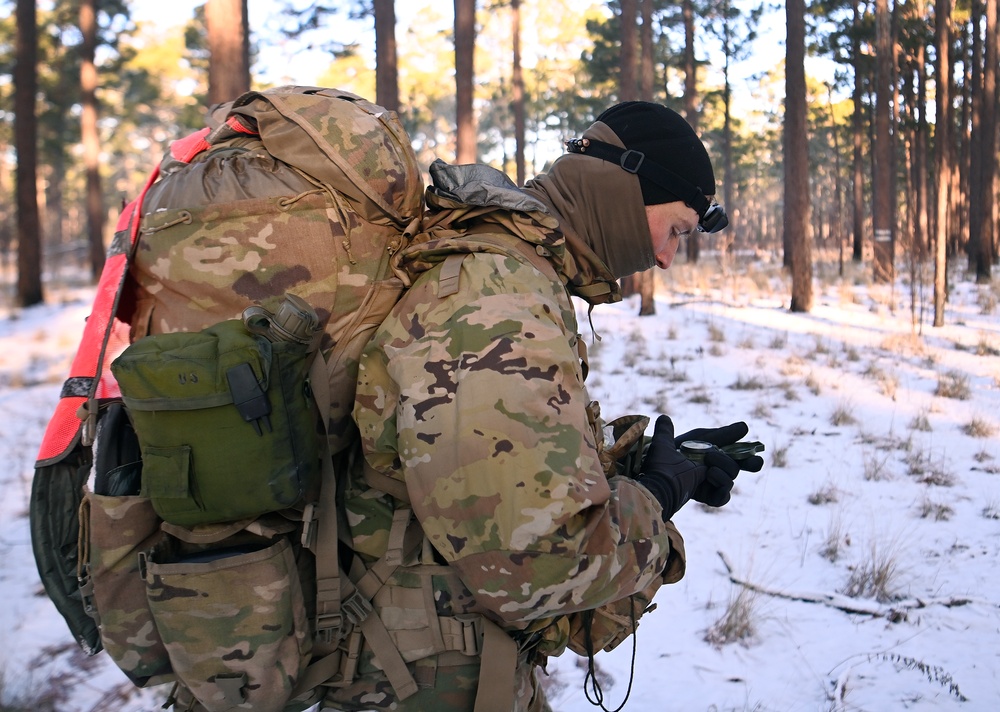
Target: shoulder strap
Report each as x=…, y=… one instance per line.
x=535, y=255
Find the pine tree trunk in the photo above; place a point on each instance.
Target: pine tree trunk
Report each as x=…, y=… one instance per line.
x=884, y=179
x=29, y=238
x=91, y=138
x=386, y=68
x=857, y=125
x=518, y=99
x=942, y=24
x=465, y=46
x=796, y=218
x=628, y=88
x=227, y=24
x=987, y=122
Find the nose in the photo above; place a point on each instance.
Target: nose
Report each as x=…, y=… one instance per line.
x=665, y=259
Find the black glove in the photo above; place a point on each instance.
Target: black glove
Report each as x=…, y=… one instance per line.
x=673, y=479
x=727, y=435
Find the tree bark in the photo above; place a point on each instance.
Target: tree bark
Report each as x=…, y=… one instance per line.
x=29, y=238
x=690, y=66
x=920, y=146
x=90, y=136
x=646, y=51
x=942, y=38
x=386, y=65
x=465, y=45
x=692, y=245
x=884, y=180
x=518, y=99
x=857, y=126
x=645, y=282
x=986, y=254
x=727, y=121
x=796, y=218
x=628, y=88
x=227, y=24
x=976, y=95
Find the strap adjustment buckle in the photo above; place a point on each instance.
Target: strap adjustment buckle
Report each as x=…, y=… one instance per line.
x=632, y=160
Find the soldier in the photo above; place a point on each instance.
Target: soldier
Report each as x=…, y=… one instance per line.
x=474, y=416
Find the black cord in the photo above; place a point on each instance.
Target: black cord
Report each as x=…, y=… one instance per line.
x=590, y=682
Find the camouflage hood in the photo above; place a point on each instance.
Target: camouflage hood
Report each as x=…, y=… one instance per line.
x=600, y=210
x=465, y=200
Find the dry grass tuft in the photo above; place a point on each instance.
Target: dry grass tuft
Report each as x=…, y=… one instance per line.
x=935, y=510
x=875, y=576
x=987, y=302
x=835, y=541
x=843, y=415
x=699, y=396
x=953, y=384
x=876, y=465
x=748, y=383
x=779, y=456
x=985, y=347
x=905, y=345
x=979, y=428
x=921, y=422
x=761, y=411
x=738, y=623
x=826, y=495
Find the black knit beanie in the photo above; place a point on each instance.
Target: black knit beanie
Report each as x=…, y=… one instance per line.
x=666, y=138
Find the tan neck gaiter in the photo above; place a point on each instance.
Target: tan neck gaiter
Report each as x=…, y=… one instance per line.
x=602, y=204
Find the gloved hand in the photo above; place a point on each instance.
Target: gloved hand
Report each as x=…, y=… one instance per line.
x=673, y=479
x=727, y=435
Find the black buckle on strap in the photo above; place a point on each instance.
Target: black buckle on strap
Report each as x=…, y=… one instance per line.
x=630, y=156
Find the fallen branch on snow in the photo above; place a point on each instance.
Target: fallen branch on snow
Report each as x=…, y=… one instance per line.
x=892, y=611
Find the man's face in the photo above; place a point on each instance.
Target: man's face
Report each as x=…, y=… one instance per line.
x=667, y=222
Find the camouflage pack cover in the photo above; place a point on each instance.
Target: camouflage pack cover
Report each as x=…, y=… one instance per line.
x=295, y=190
x=303, y=190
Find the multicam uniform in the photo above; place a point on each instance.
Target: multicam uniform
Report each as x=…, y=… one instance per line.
x=472, y=395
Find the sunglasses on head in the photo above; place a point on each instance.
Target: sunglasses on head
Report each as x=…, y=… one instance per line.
x=714, y=219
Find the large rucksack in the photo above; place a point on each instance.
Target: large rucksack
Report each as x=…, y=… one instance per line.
x=149, y=547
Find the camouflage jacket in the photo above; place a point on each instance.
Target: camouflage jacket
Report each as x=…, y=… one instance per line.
x=476, y=401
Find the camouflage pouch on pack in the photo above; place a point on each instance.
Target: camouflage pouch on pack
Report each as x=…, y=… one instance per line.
x=224, y=420
x=113, y=531
x=232, y=618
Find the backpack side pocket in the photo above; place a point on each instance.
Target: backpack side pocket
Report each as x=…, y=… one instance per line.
x=116, y=530
x=234, y=623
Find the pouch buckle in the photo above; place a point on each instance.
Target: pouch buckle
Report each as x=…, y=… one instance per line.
x=356, y=608
x=329, y=627
x=472, y=634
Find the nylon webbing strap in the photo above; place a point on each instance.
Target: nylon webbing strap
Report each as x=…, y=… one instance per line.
x=328, y=589
x=383, y=483
x=450, y=270
x=496, y=672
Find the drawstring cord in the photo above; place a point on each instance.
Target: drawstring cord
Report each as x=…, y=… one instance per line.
x=591, y=685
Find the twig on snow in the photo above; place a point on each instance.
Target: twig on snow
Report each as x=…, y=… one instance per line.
x=852, y=605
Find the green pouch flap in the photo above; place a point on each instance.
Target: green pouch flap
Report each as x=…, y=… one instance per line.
x=166, y=472
x=187, y=371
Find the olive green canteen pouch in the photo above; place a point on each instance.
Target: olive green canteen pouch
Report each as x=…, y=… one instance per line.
x=225, y=422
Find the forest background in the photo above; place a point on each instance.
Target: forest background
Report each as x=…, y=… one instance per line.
x=90, y=96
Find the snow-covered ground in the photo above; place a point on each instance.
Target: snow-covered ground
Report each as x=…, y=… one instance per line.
x=879, y=482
